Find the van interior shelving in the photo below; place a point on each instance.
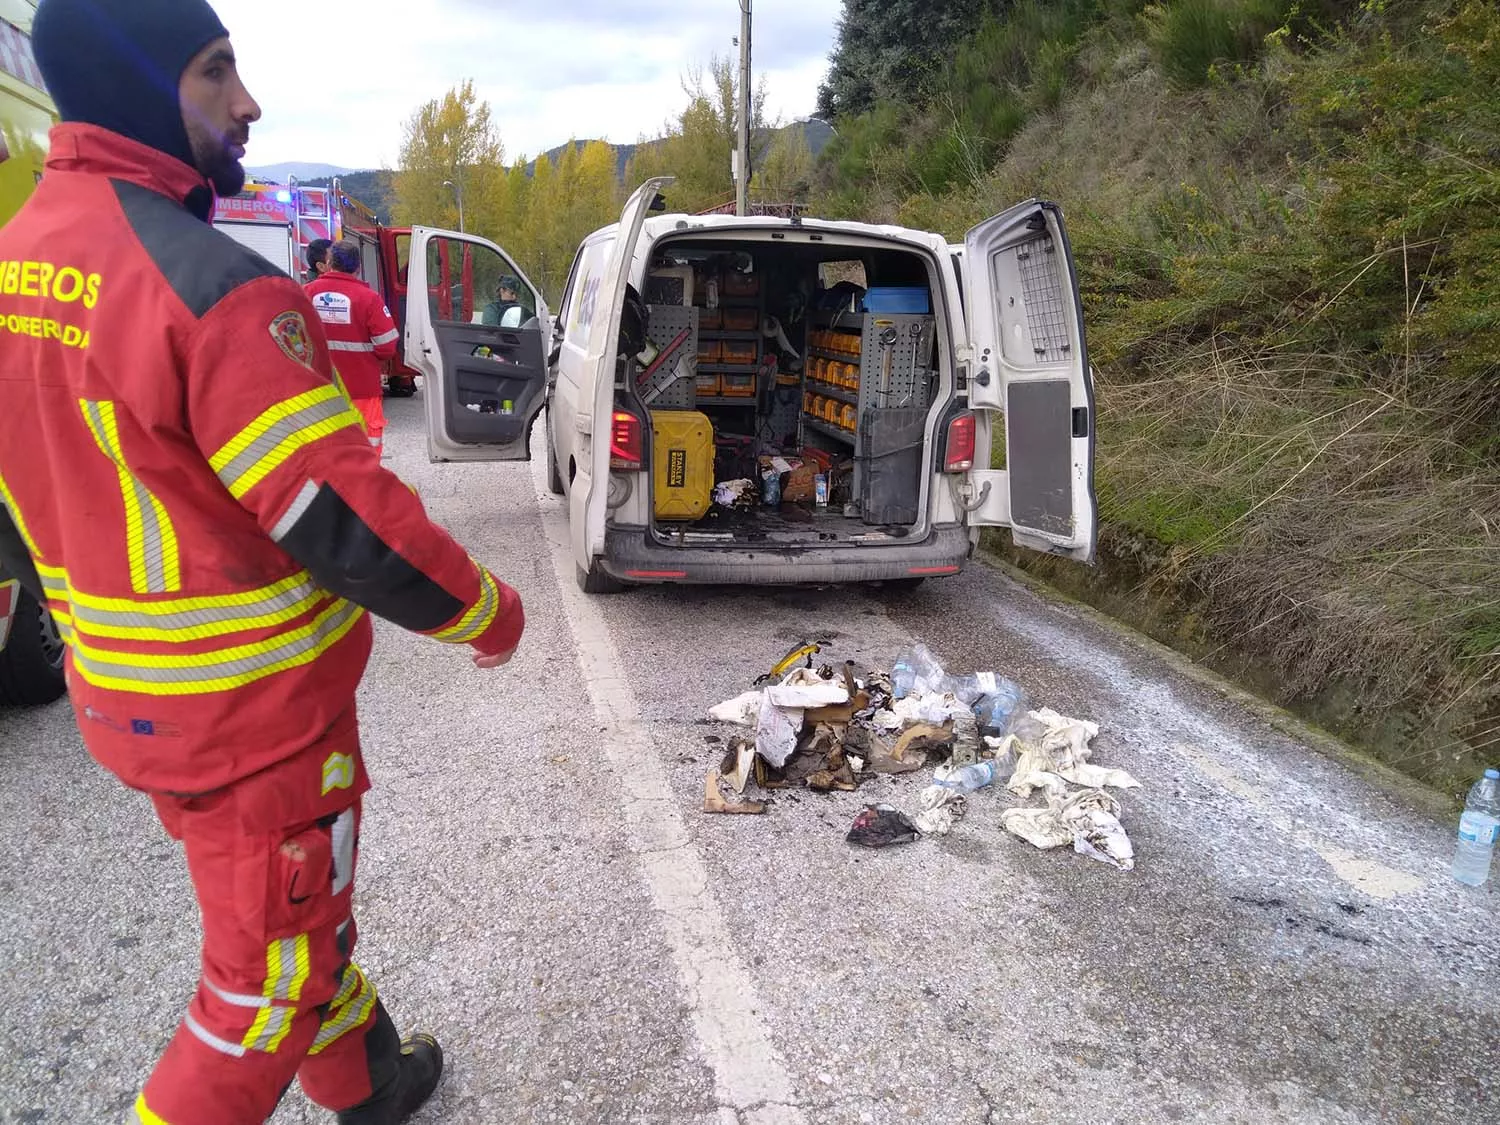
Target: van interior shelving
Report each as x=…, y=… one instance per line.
x=794, y=359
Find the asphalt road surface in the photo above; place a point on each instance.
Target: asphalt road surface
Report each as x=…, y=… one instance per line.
x=539, y=887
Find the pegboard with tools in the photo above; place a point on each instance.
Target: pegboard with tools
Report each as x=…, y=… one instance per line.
x=668, y=381
x=896, y=361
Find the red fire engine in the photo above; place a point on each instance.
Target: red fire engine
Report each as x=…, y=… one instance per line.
x=279, y=221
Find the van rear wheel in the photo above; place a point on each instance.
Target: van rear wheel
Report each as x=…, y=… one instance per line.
x=597, y=580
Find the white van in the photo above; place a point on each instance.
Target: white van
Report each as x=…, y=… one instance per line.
x=863, y=372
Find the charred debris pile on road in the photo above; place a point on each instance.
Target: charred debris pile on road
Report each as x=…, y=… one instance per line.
x=829, y=729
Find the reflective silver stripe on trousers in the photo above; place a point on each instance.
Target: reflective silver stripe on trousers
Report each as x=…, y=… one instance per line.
x=343, y=850
x=239, y=999
x=188, y=618
x=277, y=432
x=342, y=346
x=350, y=1016
x=151, y=538
x=208, y=671
x=275, y=1026
x=205, y=1036
x=281, y=989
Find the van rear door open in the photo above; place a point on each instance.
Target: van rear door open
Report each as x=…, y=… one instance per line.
x=1030, y=364
x=485, y=381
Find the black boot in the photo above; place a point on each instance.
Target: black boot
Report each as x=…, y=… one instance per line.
x=404, y=1073
x=421, y=1071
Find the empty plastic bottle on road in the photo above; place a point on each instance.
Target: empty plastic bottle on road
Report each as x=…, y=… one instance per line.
x=916, y=672
x=1477, y=831
x=1001, y=704
x=966, y=779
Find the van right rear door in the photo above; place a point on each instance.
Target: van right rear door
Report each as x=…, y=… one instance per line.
x=1030, y=364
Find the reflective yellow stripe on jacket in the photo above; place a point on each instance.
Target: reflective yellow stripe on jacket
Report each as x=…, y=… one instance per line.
x=202, y=673
x=192, y=619
x=150, y=541
x=9, y=500
x=89, y=622
x=481, y=614
x=266, y=443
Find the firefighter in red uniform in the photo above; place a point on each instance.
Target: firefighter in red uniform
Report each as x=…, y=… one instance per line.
x=185, y=484
x=360, y=331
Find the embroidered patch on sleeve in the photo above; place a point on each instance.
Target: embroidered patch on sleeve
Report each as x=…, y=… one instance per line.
x=289, y=331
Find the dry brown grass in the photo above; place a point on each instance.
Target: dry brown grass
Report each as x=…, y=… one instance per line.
x=1329, y=528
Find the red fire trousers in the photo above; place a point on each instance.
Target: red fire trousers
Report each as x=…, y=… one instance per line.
x=272, y=861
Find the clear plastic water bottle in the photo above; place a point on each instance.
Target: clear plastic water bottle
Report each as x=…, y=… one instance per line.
x=997, y=710
x=1477, y=831
x=966, y=779
x=903, y=676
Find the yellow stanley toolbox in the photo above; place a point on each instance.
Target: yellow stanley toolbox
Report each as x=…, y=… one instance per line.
x=682, y=463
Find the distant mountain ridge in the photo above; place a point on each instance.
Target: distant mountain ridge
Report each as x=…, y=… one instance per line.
x=302, y=169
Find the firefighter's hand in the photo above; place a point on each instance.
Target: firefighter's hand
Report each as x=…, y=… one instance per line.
x=493, y=661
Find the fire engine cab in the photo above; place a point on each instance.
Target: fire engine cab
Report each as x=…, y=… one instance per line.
x=280, y=221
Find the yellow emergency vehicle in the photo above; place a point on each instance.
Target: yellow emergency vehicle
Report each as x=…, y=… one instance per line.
x=31, y=652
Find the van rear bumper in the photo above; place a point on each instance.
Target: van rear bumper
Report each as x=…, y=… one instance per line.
x=631, y=555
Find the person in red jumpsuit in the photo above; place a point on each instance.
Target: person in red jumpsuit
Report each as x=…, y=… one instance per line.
x=360, y=331
x=186, y=484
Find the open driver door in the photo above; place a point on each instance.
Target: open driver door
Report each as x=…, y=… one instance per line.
x=482, y=355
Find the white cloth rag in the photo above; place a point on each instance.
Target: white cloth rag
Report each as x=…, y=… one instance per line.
x=942, y=808
x=1089, y=820
x=1062, y=749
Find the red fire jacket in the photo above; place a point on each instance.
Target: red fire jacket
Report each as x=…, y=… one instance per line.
x=206, y=517
x=359, y=328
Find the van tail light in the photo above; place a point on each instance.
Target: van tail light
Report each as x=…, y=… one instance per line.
x=625, y=441
x=959, y=457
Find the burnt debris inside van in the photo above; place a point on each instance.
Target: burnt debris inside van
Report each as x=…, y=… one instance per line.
x=790, y=390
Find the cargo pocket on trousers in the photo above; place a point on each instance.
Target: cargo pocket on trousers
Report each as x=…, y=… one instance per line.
x=306, y=876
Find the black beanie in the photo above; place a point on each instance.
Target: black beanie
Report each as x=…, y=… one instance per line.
x=118, y=63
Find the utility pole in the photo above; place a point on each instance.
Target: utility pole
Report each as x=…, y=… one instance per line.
x=742, y=188
x=458, y=194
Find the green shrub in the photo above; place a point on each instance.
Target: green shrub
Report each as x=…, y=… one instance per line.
x=1195, y=40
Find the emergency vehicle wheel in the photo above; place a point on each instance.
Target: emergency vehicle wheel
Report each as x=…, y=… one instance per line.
x=31, y=663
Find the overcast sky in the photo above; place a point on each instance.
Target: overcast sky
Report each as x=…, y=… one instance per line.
x=550, y=71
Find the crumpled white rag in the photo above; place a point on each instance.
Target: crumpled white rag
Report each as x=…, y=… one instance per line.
x=1089, y=820
x=1063, y=749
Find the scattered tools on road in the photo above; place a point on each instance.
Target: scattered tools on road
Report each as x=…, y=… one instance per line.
x=831, y=730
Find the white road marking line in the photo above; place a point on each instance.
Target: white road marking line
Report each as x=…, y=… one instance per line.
x=751, y=1081
x=1363, y=874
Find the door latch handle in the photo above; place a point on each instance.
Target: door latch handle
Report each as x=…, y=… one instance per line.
x=983, y=378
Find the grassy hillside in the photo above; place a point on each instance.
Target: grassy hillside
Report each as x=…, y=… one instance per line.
x=1287, y=219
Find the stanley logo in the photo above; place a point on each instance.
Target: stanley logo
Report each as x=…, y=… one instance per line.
x=676, y=468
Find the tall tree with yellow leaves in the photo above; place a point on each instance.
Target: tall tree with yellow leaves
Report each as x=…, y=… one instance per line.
x=696, y=147
x=454, y=139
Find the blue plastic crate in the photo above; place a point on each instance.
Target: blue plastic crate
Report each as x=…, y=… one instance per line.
x=897, y=299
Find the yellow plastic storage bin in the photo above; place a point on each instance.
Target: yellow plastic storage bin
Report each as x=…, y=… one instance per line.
x=682, y=464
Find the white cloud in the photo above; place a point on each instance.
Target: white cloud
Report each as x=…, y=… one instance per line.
x=338, y=91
